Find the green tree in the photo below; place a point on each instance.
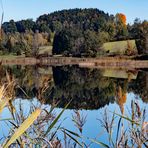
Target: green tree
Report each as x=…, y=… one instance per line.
x=139, y=31
x=44, y=28
x=9, y=26
x=25, y=25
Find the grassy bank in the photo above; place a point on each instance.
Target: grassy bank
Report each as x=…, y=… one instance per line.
x=45, y=49
x=10, y=56
x=120, y=47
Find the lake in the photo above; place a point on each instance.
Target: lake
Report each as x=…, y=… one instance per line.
x=106, y=106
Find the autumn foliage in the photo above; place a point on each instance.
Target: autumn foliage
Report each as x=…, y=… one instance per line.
x=122, y=18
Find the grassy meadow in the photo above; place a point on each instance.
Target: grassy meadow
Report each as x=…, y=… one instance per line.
x=119, y=47
x=127, y=47
x=45, y=49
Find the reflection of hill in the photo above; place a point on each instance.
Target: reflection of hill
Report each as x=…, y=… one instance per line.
x=140, y=86
x=87, y=88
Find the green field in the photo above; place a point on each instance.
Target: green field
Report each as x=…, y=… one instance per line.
x=110, y=48
x=42, y=50
x=119, y=47
x=10, y=56
x=119, y=73
x=45, y=49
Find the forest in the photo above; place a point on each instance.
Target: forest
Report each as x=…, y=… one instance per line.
x=73, y=32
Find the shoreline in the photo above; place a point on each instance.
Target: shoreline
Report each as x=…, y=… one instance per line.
x=104, y=62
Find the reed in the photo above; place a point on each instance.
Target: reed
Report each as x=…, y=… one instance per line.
x=31, y=129
x=41, y=127
x=135, y=135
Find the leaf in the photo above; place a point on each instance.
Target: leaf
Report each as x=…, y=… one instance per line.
x=71, y=132
x=23, y=127
x=56, y=119
x=118, y=129
x=132, y=121
x=100, y=143
x=55, y=132
x=23, y=91
x=73, y=139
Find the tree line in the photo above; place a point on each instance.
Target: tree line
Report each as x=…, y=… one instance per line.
x=77, y=31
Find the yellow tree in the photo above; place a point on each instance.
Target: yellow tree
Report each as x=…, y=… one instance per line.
x=121, y=18
x=121, y=28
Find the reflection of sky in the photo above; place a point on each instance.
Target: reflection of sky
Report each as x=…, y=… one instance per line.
x=91, y=129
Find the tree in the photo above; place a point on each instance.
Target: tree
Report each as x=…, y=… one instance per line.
x=139, y=31
x=121, y=27
x=44, y=28
x=143, y=33
x=25, y=25
x=77, y=42
x=61, y=42
x=10, y=43
x=110, y=28
x=19, y=47
x=56, y=26
x=121, y=18
x=9, y=26
x=93, y=41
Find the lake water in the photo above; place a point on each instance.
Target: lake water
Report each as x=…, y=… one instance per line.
x=93, y=94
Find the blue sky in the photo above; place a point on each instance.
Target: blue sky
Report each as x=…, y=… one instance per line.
x=22, y=9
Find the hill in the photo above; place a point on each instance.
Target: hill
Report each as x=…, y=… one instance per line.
x=73, y=31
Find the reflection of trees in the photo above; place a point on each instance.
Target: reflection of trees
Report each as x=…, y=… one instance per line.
x=30, y=81
x=140, y=86
x=87, y=88
x=120, y=97
x=35, y=83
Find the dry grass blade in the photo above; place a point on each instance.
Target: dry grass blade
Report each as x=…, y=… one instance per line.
x=24, y=126
x=1, y=92
x=3, y=102
x=6, y=91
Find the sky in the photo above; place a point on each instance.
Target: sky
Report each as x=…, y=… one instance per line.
x=23, y=9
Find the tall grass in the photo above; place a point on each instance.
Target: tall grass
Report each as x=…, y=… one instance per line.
x=135, y=132
x=30, y=129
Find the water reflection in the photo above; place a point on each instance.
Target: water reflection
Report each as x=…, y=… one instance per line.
x=87, y=88
x=91, y=91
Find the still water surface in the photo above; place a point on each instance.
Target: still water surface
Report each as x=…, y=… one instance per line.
x=92, y=91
